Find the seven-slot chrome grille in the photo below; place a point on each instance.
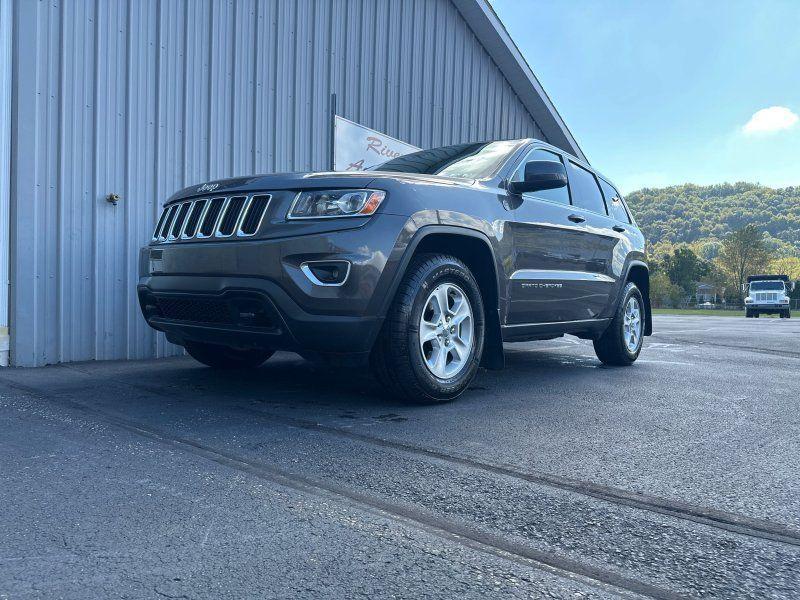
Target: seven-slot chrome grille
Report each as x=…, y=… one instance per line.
x=202, y=218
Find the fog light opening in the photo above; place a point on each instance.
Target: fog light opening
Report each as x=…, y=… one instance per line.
x=327, y=273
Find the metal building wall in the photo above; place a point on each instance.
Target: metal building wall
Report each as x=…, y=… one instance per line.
x=5, y=169
x=141, y=98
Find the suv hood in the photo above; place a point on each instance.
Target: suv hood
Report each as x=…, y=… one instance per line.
x=306, y=181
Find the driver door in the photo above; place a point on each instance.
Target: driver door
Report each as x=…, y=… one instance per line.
x=561, y=253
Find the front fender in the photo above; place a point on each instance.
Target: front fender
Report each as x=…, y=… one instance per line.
x=495, y=304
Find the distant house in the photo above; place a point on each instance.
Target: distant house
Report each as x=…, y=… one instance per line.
x=708, y=292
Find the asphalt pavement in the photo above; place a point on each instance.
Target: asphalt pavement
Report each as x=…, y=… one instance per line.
x=555, y=478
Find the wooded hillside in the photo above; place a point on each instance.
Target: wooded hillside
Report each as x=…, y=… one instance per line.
x=695, y=213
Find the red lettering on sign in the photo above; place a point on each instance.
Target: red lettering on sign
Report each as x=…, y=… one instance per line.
x=374, y=144
x=356, y=166
x=378, y=147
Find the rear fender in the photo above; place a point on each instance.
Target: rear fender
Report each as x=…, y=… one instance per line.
x=638, y=272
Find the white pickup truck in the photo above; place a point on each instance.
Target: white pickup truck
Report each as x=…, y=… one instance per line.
x=768, y=294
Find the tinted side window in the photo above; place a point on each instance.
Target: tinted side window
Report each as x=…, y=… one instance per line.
x=560, y=195
x=585, y=192
x=614, y=202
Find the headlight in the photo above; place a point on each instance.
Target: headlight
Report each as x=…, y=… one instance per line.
x=785, y=300
x=326, y=204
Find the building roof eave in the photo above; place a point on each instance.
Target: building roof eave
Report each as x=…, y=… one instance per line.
x=492, y=34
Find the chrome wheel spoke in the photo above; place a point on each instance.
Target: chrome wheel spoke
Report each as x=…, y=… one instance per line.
x=442, y=301
x=428, y=331
x=461, y=312
x=460, y=348
x=440, y=359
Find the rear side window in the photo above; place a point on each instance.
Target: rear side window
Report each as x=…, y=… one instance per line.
x=614, y=202
x=585, y=191
x=560, y=195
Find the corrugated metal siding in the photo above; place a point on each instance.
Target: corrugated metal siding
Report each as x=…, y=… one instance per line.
x=5, y=156
x=141, y=98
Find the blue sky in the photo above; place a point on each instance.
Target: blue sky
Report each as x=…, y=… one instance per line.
x=661, y=93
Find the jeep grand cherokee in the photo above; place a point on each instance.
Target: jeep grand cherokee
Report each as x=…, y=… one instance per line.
x=421, y=268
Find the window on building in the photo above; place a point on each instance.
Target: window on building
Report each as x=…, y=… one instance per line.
x=614, y=202
x=560, y=195
x=585, y=191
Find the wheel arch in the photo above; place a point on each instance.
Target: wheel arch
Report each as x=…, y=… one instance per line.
x=639, y=274
x=475, y=250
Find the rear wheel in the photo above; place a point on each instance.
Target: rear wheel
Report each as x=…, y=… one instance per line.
x=225, y=357
x=431, y=344
x=621, y=343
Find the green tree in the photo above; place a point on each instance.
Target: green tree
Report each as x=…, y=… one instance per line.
x=685, y=268
x=744, y=252
x=664, y=293
x=707, y=249
x=786, y=265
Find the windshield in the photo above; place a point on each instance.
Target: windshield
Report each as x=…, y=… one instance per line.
x=760, y=286
x=466, y=161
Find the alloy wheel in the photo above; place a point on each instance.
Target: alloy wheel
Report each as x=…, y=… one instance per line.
x=446, y=331
x=632, y=325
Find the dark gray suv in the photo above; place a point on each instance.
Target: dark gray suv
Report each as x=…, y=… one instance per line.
x=421, y=268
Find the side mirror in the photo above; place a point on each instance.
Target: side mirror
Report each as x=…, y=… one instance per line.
x=540, y=175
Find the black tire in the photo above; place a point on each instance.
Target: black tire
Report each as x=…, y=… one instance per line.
x=397, y=359
x=755, y=314
x=611, y=348
x=225, y=357
x=748, y=314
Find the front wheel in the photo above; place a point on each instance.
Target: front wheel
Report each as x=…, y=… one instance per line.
x=431, y=343
x=621, y=343
x=225, y=357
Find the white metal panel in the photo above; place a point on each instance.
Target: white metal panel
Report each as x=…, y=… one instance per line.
x=5, y=170
x=141, y=98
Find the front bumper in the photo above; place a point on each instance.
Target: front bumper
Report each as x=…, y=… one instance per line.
x=768, y=308
x=254, y=293
x=248, y=313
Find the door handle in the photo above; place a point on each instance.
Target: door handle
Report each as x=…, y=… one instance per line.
x=618, y=228
x=576, y=218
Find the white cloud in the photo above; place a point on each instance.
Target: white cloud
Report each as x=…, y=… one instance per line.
x=769, y=120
